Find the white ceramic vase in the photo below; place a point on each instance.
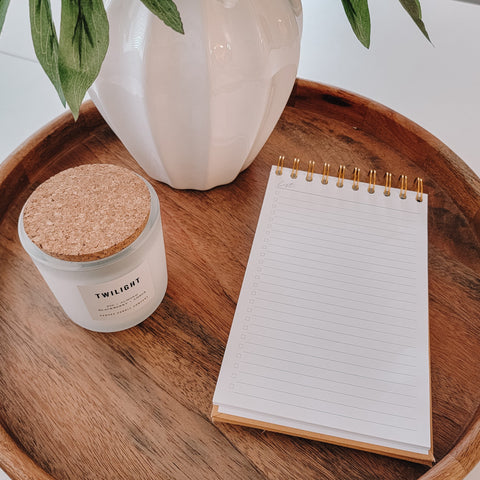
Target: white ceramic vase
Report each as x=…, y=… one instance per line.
x=194, y=110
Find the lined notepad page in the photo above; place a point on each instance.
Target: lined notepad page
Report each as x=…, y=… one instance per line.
x=330, y=334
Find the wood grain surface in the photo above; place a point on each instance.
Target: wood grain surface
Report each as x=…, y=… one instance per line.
x=136, y=404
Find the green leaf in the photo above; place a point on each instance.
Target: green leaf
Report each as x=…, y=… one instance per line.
x=83, y=45
x=166, y=11
x=414, y=10
x=45, y=41
x=359, y=17
x=3, y=12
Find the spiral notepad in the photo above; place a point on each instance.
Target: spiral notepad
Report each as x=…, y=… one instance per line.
x=330, y=335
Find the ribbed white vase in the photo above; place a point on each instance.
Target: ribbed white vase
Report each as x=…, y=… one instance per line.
x=194, y=110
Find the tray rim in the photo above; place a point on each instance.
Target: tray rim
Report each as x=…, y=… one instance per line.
x=461, y=459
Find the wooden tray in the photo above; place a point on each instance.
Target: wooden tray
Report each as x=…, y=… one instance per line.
x=136, y=404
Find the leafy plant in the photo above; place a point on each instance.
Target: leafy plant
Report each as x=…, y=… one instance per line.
x=73, y=60
x=358, y=15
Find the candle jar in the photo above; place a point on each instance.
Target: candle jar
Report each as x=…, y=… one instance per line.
x=95, y=234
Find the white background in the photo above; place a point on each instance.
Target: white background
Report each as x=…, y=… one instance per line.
x=437, y=86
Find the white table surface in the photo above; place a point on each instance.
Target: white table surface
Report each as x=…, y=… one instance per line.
x=437, y=86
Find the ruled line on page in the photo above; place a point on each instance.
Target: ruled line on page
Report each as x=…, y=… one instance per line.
x=329, y=380
x=357, y=260
x=319, y=325
x=315, y=284
x=332, y=311
x=332, y=314
x=276, y=329
x=325, y=357
x=309, y=397
x=342, y=236
x=335, y=231
x=328, y=357
x=323, y=389
x=323, y=212
x=258, y=397
x=390, y=381
x=343, y=201
x=373, y=277
x=335, y=304
x=403, y=237
x=277, y=274
x=326, y=396
x=305, y=236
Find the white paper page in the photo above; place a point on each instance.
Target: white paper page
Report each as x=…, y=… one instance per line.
x=331, y=326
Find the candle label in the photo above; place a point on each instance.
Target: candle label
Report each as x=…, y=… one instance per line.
x=120, y=297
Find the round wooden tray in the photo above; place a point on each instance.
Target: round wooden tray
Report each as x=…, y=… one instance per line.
x=136, y=404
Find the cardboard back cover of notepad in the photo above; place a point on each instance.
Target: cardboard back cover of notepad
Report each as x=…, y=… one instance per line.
x=330, y=338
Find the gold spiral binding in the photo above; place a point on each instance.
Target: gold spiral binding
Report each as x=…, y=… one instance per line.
x=326, y=171
x=310, y=169
x=341, y=176
x=372, y=178
x=356, y=178
x=403, y=180
x=279, y=169
x=296, y=163
x=388, y=184
x=419, y=183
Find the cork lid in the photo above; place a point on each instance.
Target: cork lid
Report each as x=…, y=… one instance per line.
x=87, y=212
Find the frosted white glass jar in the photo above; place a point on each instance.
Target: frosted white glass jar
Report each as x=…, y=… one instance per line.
x=112, y=293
